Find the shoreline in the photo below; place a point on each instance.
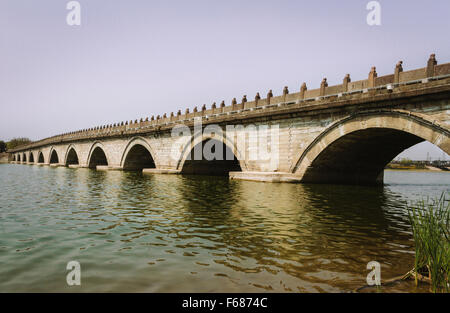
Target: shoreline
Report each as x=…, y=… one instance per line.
x=415, y=170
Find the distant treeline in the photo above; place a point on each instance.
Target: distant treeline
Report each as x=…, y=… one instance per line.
x=13, y=143
x=423, y=164
x=406, y=164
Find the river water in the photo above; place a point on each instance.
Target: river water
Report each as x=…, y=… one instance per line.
x=167, y=233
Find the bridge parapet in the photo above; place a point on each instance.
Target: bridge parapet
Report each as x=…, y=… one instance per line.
x=303, y=101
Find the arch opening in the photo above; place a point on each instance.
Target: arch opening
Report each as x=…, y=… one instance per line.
x=72, y=157
x=223, y=162
x=31, y=157
x=98, y=157
x=18, y=158
x=359, y=158
x=54, y=159
x=41, y=157
x=138, y=158
x=423, y=156
x=14, y=157
x=24, y=158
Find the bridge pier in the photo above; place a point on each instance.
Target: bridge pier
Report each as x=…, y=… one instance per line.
x=108, y=168
x=160, y=171
x=270, y=177
x=77, y=166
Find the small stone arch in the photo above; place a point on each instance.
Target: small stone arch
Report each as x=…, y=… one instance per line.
x=138, y=154
x=97, y=155
x=356, y=149
x=53, y=156
x=31, y=157
x=71, y=156
x=40, y=157
x=24, y=157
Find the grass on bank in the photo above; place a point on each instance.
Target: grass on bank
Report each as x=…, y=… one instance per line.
x=430, y=222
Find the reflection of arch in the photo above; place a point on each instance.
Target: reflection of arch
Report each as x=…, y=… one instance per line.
x=53, y=156
x=31, y=157
x=71, y=156
x=205, y=137
x=97, y=155
x=356, y=149
x=138, y=155
x=40, y=157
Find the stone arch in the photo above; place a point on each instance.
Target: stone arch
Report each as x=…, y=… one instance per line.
x=31, y=157
x=41, y=157
x=97, y=155
x=53, y=156
x=14, y=157
x=24, y=157
x=71, y=156
x=138, y=154
x=356, y=149
x=211, y=167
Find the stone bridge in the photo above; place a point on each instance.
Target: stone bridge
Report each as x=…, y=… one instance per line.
x=344, y=134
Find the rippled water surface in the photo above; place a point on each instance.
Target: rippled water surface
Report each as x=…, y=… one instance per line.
x=167, y=233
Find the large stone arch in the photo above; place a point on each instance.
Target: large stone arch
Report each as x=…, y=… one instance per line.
x=71, y=156
x=200, y=138
x=92, y=153
x=353, y=149
x=132, y=146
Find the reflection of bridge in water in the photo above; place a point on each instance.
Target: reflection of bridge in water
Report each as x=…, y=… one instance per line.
x=338, y=134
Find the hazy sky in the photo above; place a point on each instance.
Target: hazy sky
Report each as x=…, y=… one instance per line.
x=135, y=58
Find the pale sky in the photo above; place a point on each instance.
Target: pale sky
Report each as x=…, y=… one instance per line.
x=133, y=59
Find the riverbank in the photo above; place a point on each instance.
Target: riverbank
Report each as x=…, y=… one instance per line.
x=426, y=168
x=5, y=157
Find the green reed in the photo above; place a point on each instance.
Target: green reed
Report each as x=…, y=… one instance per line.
x=430, y=221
